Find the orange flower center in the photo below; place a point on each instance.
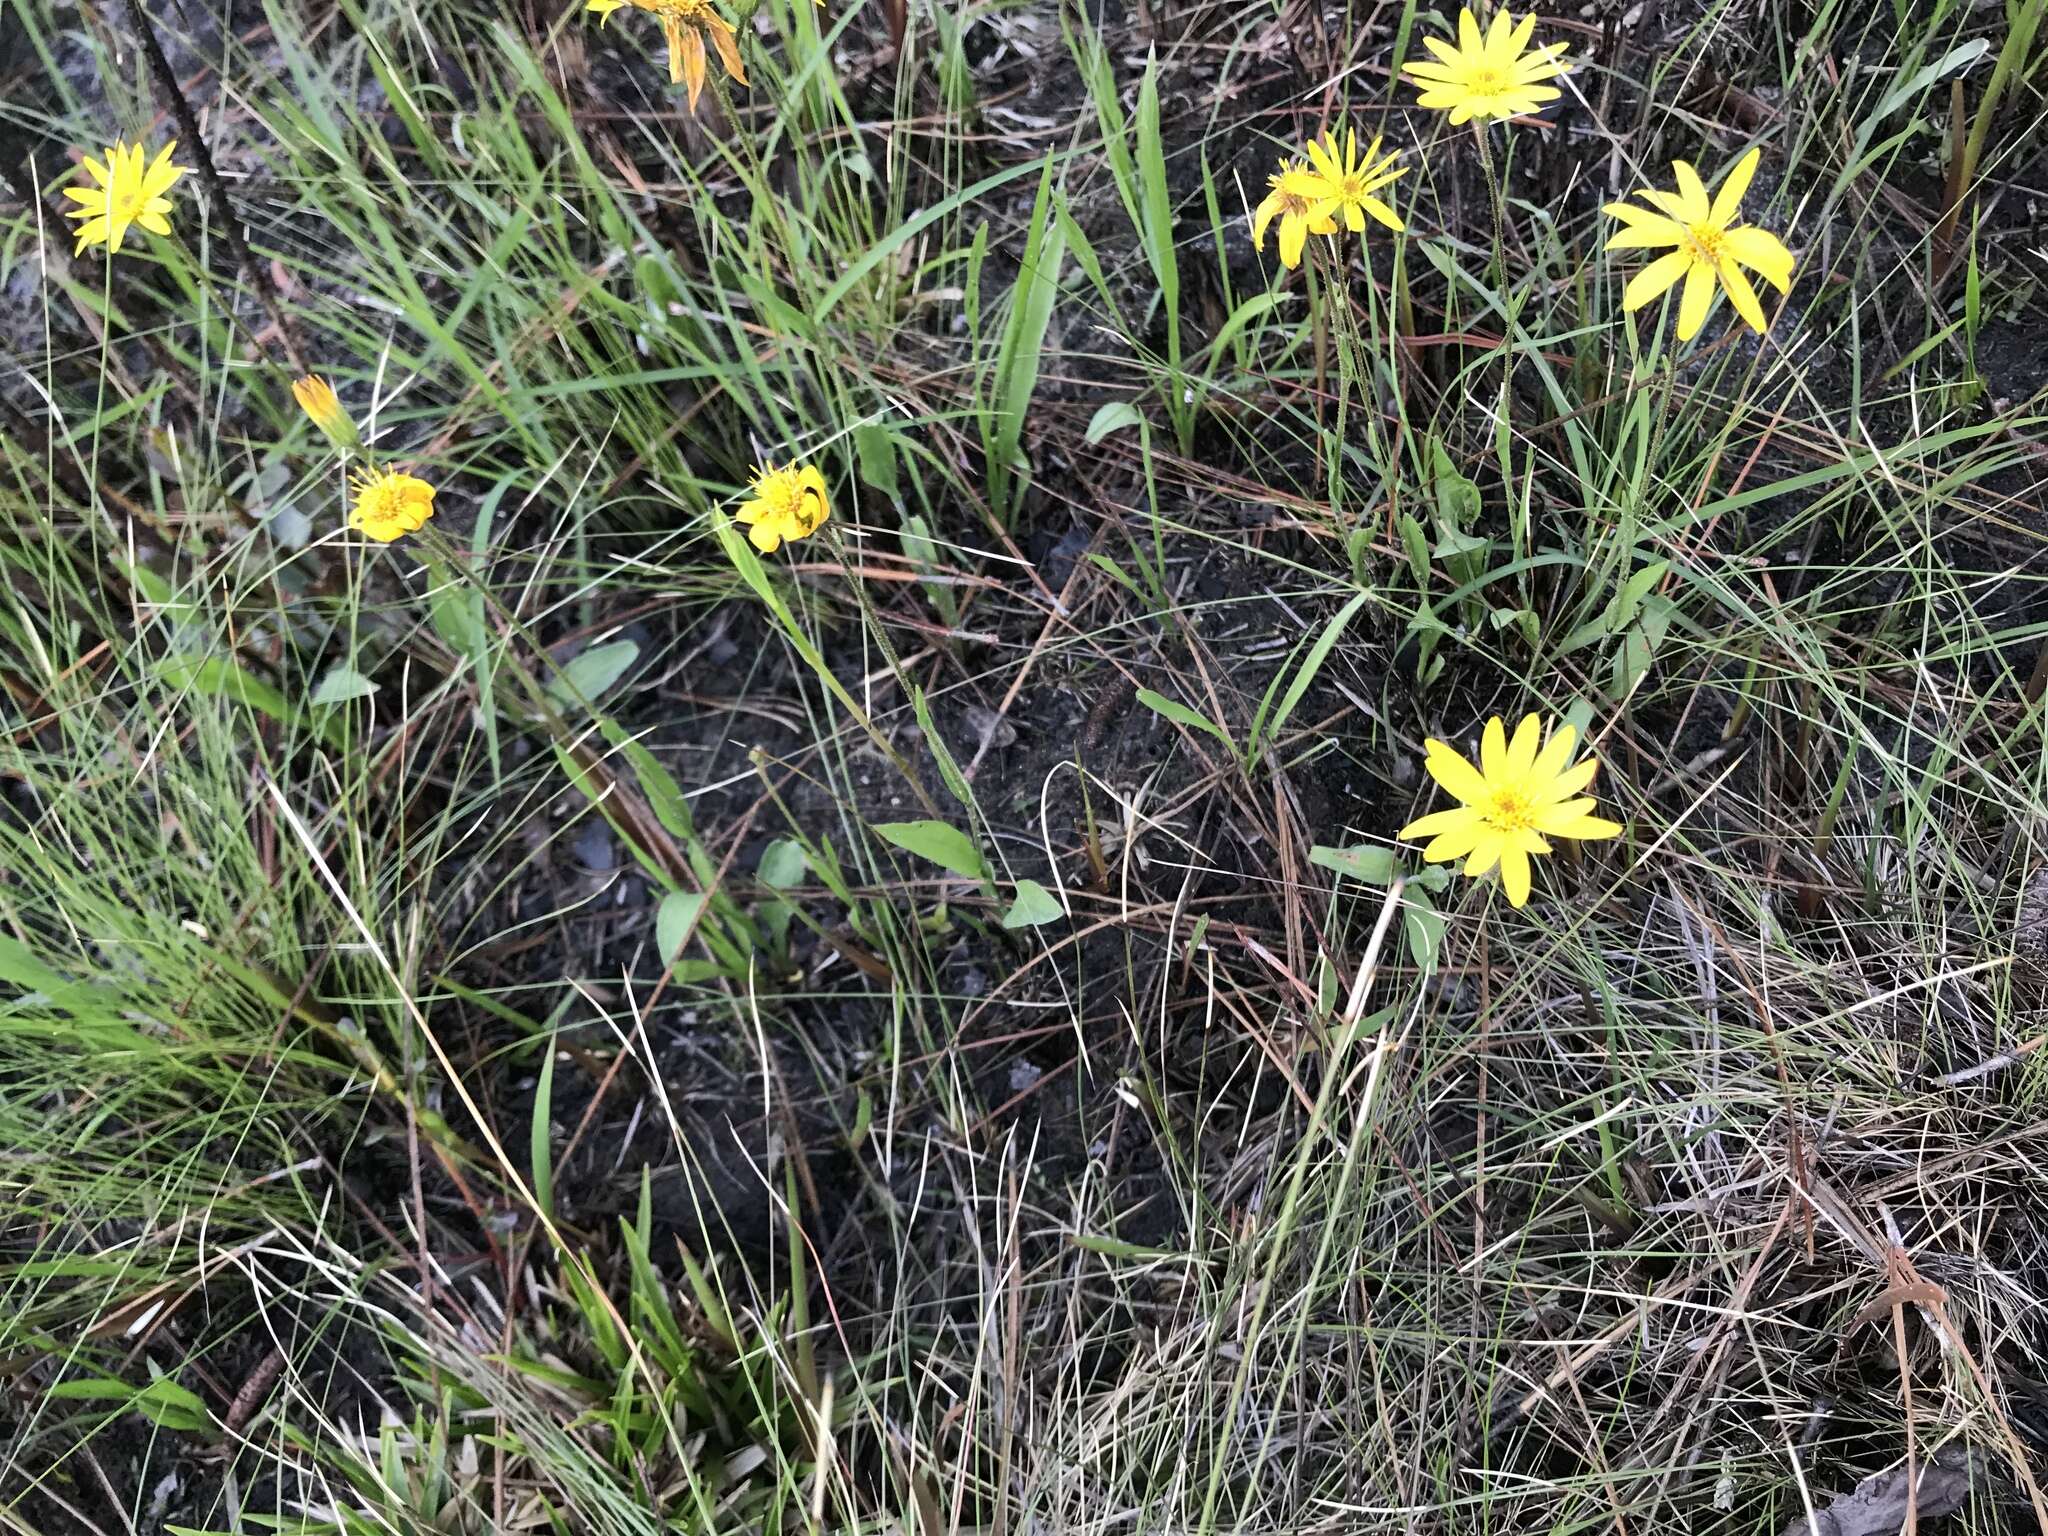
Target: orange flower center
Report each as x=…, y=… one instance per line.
x=1705, y=241
x=792, y=502
x=1510, y=810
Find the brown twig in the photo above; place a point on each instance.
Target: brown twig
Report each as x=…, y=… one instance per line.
x=173, y=97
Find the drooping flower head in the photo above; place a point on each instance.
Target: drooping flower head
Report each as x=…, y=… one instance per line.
x=686, y=23
x=1521, y=794
x=788, y=503
x=1302, y=202
x=390, y=504
x=1711, y=248
x=323, y=408
x=127, y=190
x=1491, y=75
x=1352, y=181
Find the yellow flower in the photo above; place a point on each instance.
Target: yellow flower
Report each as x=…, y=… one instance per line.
x=789, y=503
x=389, y=504
x=1490, y=76
x=1352, y=181
x=1303, y=202
x=317, y=399
x=686, y=23
x=127, y=190
x=1711, y=247
x=1516, y=798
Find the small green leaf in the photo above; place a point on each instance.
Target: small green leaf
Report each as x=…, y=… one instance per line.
x=782, y=864
x=1623, y=609
x=1368, y=862
x=1310, y=666
x=162, y=1402
x=1423, y=927
x=1453, y=545
x=1034, y=906
x=225, y=679
x=672, y=920
x=591, y=672
x=541, y=1142
x=1178, y=712
x=1115, y=572
x=1416, y=543
x=457, y=615
x=949, y=770
x=875, y=448
x=1457, y=498
x=342, y=684
x=1113, y=417
x=944, y=845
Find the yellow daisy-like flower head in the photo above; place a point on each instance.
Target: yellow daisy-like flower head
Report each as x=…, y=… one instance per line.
x=323, y=408
x=1523, y=792
x=1711, y=249
x=788, y=503
x=1352, y=181
x=1495, y=74
x=390, y=504
x=685, y=24
x=127, y=189
x=1302, y=201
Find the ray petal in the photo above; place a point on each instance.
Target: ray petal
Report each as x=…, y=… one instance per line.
x=1522, y=750
x=1493, y=750
x=1436, y=823
x=1699, y=296
x=1556, y=752
x=1567, y=783
x=1449, y=768
x=1448, y=847
x=1588, y=829
x=1659, y=275
x=1514, y=874
x=1762, y=252
x=1741, y=295
x=1692, y=192
x=1728, y=201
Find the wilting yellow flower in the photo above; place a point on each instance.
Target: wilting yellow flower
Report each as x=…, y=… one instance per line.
x=685, y=23
x=788, y=503
x=1489, y=76
x=1352, y=181
x=1302, y=201
x=1712, y=247
x=389, y=504
x=128, y=190
x=317, y=399
x=1511, y=802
